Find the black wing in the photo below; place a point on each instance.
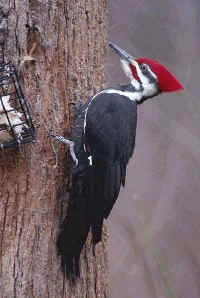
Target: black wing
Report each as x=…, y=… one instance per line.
x=110, y=139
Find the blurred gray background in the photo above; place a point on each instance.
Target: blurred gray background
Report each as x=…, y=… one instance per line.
x=154, y=245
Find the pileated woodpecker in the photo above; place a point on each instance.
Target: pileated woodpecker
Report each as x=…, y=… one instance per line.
x=103, y=141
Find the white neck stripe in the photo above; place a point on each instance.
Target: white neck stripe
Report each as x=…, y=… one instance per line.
x=133, y=96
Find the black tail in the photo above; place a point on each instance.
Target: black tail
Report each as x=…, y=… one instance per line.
x=106, y=186
x=75, y=228
x=94, y=191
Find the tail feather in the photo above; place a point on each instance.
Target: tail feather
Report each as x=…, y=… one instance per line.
x=107, y=182
x=74, y=230
x=96, y=229
x=93, y=194
x=123, y=173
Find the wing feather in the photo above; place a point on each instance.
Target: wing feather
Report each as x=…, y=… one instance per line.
x=110, y=134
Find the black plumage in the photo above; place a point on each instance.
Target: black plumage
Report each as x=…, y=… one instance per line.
x=103, y=140
x=110, y=139
x=104, y=129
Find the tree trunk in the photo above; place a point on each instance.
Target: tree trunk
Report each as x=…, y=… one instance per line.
x=60, y=48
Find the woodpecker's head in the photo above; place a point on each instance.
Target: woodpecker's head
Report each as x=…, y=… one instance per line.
x=147, y=76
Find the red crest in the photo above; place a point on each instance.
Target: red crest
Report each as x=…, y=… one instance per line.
x=166, y=81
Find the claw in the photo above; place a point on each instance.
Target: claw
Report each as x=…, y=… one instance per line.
x=70, y=144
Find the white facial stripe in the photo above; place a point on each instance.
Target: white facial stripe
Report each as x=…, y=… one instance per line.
x=135, y=84
x=144, y=80
x=128, y=72
x=152, y=73
x=126, y=69
x=149, y=90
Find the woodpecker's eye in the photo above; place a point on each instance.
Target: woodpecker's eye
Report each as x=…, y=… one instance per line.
x=144, y=67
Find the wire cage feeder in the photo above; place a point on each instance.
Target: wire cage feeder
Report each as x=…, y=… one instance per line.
x=16, y=125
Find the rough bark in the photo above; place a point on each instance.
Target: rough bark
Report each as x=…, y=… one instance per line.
x=60, y=48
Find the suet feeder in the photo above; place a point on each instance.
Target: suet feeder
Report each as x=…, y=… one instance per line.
x=16, y=126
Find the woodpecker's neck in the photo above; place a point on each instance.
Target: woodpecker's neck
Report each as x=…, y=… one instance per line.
x=127, y=91
x=134, y=91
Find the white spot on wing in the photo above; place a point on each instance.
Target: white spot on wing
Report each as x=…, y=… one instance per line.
x=90, y=160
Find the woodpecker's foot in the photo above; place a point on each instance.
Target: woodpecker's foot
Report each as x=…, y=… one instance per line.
x=71, y=147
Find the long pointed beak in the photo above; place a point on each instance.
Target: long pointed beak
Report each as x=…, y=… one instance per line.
x=123, y=54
